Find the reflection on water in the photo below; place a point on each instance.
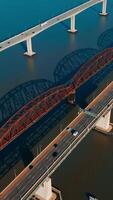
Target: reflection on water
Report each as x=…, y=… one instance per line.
x=31, y=64
x=102, y=21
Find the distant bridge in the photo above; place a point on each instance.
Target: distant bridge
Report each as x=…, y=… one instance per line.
x=30, y=33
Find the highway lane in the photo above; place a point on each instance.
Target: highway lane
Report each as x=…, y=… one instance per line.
x=41, y=168
x=96, y=109
x=48, y=163
x=38, y=171
x=27, y=183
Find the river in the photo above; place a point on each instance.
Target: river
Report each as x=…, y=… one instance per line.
x=89, y=168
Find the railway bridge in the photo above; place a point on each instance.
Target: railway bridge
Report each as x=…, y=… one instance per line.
x=39, y=106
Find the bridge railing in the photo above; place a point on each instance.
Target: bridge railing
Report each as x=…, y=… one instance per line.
x=45, y=25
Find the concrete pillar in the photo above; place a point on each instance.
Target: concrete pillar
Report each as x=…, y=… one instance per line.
x=71, y=98
x=29, y=48
x=104, y=7
x=103, y=123
x=44, y=191
x=72, y=25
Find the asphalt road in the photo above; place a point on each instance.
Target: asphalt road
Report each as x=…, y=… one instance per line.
x=65, y=145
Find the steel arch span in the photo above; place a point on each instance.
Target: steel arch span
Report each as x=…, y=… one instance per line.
x=41, y=105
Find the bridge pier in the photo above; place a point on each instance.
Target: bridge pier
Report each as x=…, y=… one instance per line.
x=71, y=98
x=72, y=24
x=29, y=48
x=104, y=8
x=103, y=123
x=45, y=192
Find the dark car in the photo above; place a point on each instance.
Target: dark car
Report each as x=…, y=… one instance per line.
x=55, y=145
x=30, y=166
x=72, y=131
x=55, y=153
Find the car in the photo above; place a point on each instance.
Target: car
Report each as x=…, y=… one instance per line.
x=43, y=24
x=55, y=153
x=72, y=131
x=30, y=166
x=55, y=145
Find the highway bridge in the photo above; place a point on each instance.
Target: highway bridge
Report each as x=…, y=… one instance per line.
x=41, y=105
x=58, y=150
x=30, y=33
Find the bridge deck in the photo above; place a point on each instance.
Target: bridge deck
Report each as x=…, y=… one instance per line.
x=45, y=25
x=45, y=163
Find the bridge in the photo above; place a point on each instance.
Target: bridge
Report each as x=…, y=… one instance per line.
x=33, y=180
x=41, y=105
x=30, y=33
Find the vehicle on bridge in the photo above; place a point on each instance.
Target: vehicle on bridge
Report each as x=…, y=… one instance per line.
x=72, y=131
x=50, y=158
x=55, y=153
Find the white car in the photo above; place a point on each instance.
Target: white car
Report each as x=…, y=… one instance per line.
x=43, y=24
x=73, y=131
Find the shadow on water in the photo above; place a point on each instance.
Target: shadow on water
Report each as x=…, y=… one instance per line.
x=106, y=39
x=20, y=149
x=83, y=92
x=24, y=151
x=64, y=24
x=23, y=45
x=91, y=85
x=71, y=63
x=19, y=96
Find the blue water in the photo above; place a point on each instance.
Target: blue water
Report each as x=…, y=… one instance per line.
x=21, y=78
x=50, y=46
x=16, y=68
x=26, y=13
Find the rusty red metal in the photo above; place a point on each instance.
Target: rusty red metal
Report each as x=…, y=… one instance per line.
x=41, y=105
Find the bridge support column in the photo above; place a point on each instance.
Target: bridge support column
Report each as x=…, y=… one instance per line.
x=104, y=7
x=103, y=124
x=71, y=99
x=44, y=192
x=29, y=48
x=72, y=26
